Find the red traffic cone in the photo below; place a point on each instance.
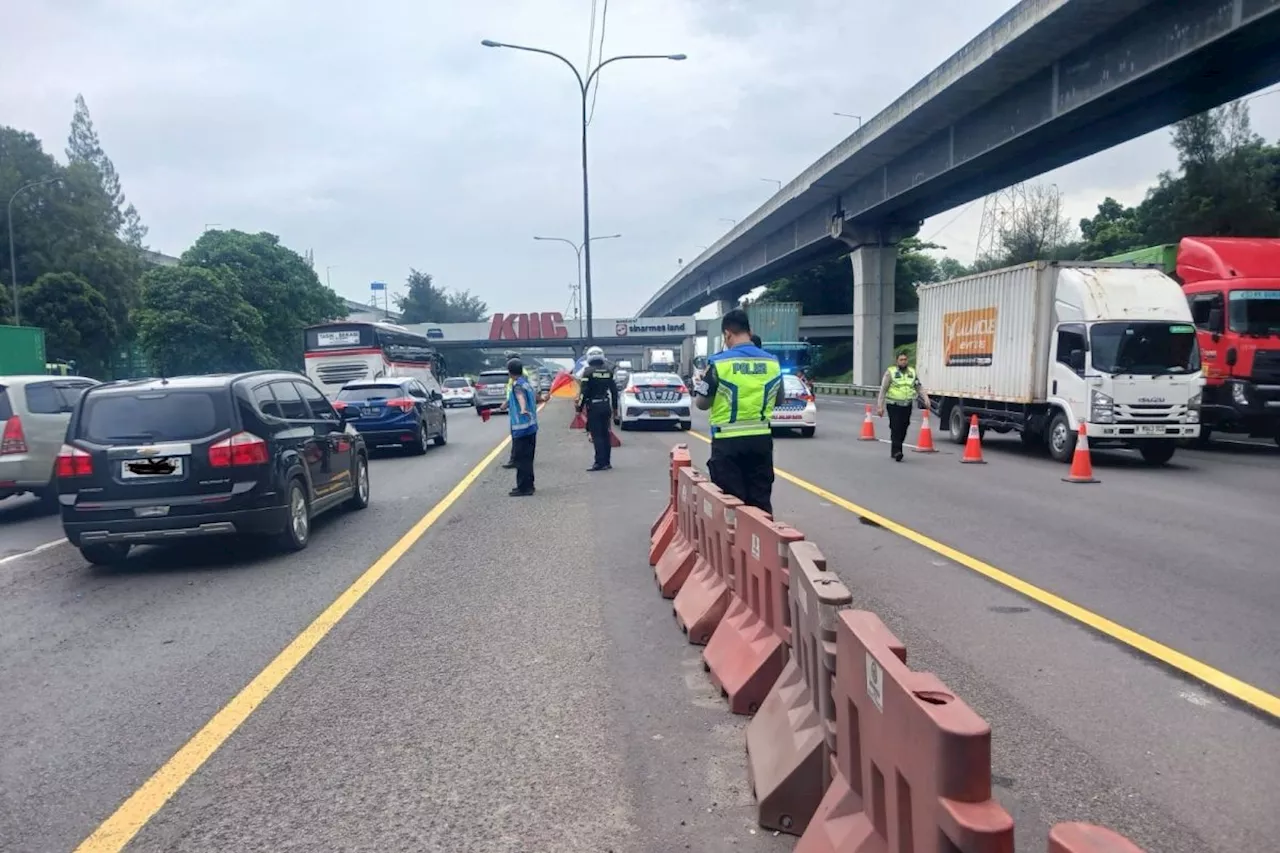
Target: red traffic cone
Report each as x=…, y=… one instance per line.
x=926, y=436
x=614, y=441
x=484, y=414
x=1081, y=463
x=579, y=421
x=868, y=428
x=973, y=447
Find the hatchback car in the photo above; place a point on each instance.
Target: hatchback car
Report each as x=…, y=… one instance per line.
x=798, y=411
x=655, y=398
x=162, y=460
x=458, y=392
x=395, y=410
x=34, y=413
x=491, y=389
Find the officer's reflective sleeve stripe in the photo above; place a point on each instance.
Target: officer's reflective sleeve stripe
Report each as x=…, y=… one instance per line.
x=770, y=397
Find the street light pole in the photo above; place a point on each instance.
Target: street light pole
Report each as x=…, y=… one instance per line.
x=584, y=85
x=850, y=115
x=577, y=250
x=13, y=254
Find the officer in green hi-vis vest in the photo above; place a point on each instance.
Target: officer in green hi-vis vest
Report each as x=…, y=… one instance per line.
x=740, y=387
x=898, y=392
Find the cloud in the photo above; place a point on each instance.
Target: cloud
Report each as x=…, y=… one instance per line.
x=383, y=136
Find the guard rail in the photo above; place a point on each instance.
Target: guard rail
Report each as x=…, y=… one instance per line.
x=839, y=389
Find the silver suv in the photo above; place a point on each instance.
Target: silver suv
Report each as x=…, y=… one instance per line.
x=491, y=389
x=34, y=413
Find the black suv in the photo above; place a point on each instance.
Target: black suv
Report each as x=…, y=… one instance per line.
x=158, y=460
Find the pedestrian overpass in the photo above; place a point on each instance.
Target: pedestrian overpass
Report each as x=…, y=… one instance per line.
x=1049, y=83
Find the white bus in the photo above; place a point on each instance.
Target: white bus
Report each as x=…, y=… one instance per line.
x=342, y=352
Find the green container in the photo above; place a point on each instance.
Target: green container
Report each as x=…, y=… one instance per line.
x=776, y=321
x=1164, y=256
x=21, y=351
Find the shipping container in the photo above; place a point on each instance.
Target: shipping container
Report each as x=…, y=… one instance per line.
x=776, y=321
x=21, y=351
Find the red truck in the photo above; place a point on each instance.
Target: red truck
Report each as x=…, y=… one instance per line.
x=1233, y=287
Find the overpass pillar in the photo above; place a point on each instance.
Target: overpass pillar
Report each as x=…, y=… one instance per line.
x=715, y=341
x=874, y=260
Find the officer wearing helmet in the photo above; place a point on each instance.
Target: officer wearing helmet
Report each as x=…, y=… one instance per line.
x=598, y=397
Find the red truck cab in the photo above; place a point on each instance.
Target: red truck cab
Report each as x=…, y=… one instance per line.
x=1233, y=287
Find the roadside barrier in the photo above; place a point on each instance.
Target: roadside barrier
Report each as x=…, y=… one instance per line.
x=849, y=748
x=678, y=559
x=663, y=530
x=843, y=390
x=1081, y=462
x=868, y=428
x=702, y=600
x=746, y=653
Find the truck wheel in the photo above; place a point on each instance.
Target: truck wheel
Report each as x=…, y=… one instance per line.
x=1062, y=439
x=956, y=423
x=1031, y=439
x=1157, y=452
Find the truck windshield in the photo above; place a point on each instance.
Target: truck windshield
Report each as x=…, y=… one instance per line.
x=1254, y=312
x=1144, y=348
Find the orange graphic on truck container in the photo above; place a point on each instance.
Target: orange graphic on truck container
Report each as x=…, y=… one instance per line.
x=969, y=337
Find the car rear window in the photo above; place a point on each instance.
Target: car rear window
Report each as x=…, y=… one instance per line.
x=371, y=392
x=792, y=384
x=492, y=379
x=456, y=383
x=42, y=398
x=6, y=410
x=154, y=416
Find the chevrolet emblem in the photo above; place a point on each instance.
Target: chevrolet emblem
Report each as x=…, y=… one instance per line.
x=148, y=451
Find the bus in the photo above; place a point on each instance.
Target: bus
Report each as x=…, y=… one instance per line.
x=342, y=352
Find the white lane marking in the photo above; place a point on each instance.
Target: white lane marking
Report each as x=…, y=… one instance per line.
x=36, y=550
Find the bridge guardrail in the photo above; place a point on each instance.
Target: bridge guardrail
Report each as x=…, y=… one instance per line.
x=839, y=389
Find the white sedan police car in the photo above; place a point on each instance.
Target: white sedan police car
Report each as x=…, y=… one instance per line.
x=656, y=398
x=798, y=410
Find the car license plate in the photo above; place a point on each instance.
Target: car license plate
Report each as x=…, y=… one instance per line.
x=151, y=511
x=659, y=413
x=372, y=412
x=155, y=468
x=1150, y=429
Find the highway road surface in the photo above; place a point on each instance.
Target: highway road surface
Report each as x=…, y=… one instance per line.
x=456, y=670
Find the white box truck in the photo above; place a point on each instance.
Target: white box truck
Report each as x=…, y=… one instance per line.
x=1041, y=348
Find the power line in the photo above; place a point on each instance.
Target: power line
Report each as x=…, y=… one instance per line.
x=952, y=220
x=604, y=19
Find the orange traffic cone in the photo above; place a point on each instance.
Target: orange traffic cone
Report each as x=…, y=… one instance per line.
x=614, y=441
x=973, y=447
x=579, y=421
x=1081, y=463
x=868, y=428
x=926, y=436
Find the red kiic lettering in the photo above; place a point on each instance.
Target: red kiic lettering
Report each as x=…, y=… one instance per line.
x=527, y=327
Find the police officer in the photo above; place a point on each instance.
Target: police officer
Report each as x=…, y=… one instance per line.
x=898, y=392
x=740, y=387
x=599, y=399
x=509, y=355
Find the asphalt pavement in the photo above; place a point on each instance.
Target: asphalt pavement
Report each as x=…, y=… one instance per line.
x=512, y=682
x=25, y=524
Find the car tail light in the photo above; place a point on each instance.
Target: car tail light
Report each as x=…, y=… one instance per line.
x=632, y=390
x=339, y=405
x=72, y=462
x=404, y=404
x=808, y=398
x=14, y=439
x=681, y=389
x=243, y=448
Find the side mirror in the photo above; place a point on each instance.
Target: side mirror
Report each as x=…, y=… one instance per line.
x=347, y=413
x=1215, y=321
x=1076, y=359
x=1232, y=356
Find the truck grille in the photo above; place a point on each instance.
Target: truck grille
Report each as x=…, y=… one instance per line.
x=1266, y=367
x=342, y=372
x=657, y=395
x=1149, y=413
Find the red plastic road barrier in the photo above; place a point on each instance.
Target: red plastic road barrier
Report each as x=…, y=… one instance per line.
x=788, y=758
x=746, y=653
x=679, y=558
x=701, y=602
x=663, y=530
x=913, y=762
x=1087, y=838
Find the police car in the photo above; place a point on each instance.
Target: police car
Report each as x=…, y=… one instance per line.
x=655, y=398
x=798, y=411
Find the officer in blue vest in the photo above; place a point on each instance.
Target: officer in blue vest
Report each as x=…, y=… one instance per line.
x=740, y=387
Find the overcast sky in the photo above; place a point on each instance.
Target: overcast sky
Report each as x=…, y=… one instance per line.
x=382, y=136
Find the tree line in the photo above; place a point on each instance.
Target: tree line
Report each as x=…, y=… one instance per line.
x=1227, y=184
x=233, y=301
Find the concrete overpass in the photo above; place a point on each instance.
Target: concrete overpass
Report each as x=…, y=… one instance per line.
x=1050, y=82
x=815, y=327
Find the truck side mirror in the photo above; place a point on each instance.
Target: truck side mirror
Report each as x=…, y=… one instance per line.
x=1215, y=322
x=1232, y=356
x=1076, y=359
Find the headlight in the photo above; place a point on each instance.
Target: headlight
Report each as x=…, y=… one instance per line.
x=1102, y=409
x=1193, y=408
x=1238, y=394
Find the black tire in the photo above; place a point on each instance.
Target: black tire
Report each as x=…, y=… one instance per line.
x=1157, y=452
x=807, y=432
x=297, y=528
x=957, y=426
x=105, y=553
x=1031, y=439
x=686, y=425
x=443, y=437
x=420, y=441
x=1061, y=439
x=360, y=497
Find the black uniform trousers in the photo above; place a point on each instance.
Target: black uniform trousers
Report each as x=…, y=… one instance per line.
x=522, y=451
x=599, y=414
x=899, y=423
x=743, y=467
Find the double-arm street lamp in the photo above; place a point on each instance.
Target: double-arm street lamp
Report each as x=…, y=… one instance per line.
x=577, y=250
x=584, y=85
x=13, y=255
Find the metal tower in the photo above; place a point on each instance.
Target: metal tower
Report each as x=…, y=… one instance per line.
x=999, y=210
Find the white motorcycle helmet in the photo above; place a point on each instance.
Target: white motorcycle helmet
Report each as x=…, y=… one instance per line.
x=594, y=354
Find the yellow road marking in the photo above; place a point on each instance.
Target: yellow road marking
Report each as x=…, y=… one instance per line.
x=133, y=814
x=1229, y=684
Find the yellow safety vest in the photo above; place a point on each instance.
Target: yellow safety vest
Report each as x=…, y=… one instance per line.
x=902, y=385
x=746, y=392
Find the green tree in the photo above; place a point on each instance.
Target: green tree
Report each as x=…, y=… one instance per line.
x=276, y=281
x=75, y=317
x=1115, y=229
x=84, y=147
x=196, y=320
x=425, y=302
